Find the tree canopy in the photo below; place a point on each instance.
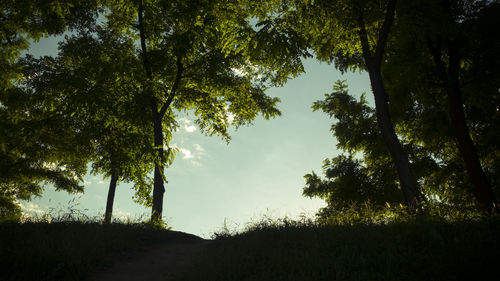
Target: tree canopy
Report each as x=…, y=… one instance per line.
x=34, y=143
x=128, y=70
x=418, y=71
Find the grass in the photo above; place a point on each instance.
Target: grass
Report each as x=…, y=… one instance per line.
x=68, y=250
x=354, y=245
x=410, y=250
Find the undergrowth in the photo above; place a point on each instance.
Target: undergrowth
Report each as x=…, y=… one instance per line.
x=359, y=243
x=69, y=245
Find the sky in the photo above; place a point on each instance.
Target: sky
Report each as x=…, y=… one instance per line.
x=212, y=183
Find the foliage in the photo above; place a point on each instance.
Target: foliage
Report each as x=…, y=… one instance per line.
x=217, y=79
x=202, y=57
x=418, y=103
x=91, y=82
x=354, y=35
x=91, y=97
x=416, y=85
x=33, y=143
x=350, y=179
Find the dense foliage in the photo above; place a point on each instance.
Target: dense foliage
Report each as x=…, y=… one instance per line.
x=37, y=144
x=444, y=112
x=112, y=95
x=110, y=99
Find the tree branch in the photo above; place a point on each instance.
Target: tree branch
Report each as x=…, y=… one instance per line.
x=384, y=31
x=143, y=42
x=436, y=56
x=174, y=88
x=363, y=37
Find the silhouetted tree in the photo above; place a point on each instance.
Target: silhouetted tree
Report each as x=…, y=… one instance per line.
x=347, y=179
x=91, y=82
x=442, y=57
x=199, y=56
x=354, y=34
x=415, y=75
x=33, y=140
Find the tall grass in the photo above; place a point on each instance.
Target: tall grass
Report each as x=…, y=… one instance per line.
x=438, y=244
x=68, y=246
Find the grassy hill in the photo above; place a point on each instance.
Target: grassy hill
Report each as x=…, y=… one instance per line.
x=418, y=250
x=70, y=250
x=411, y=250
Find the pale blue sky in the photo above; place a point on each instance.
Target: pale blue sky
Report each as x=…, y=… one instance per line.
x=260, y=171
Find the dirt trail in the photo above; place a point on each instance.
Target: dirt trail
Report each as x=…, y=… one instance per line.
x=160, y=262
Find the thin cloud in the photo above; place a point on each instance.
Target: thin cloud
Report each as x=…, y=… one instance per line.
x=32, y=209
x=198, y=147
x=187, y=154
x=189, y=129
x=122, y=215
x=187, y=125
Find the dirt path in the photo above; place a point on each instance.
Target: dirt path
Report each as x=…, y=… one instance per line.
x=159, y=262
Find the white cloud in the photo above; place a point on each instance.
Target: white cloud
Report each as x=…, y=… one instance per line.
x=32, y=209
x=192, y=154
x=186, y=153
x=184, y=120
x=189, y=129
x=198, y=147
x=187, y=125
x=121, y=215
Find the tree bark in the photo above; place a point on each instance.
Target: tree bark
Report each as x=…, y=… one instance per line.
x=111, y=198
x=158, y=188
x=481, y=183
x=409, y=186
x=449, y=74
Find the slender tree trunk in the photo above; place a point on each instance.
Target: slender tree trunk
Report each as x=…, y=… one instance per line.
x=409, y=186
x=111, y=198
x=373, y=61
x=449, y=74
x=478, y=178
x=159, y=188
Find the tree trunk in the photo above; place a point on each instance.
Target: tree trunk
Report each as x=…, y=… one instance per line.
x=159, y=188
x=478, y=178
x=409, y=187
x=373, y=60
x=111, y=198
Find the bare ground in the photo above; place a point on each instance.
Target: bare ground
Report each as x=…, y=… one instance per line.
x=160, y=262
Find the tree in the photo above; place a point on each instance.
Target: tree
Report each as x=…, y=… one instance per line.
x=448, y=45
x=354, y=34
x=33, y=142
x=350, y=179
x=454, y=105
x=420, y=101
x=93, y=80
x=197, y=56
